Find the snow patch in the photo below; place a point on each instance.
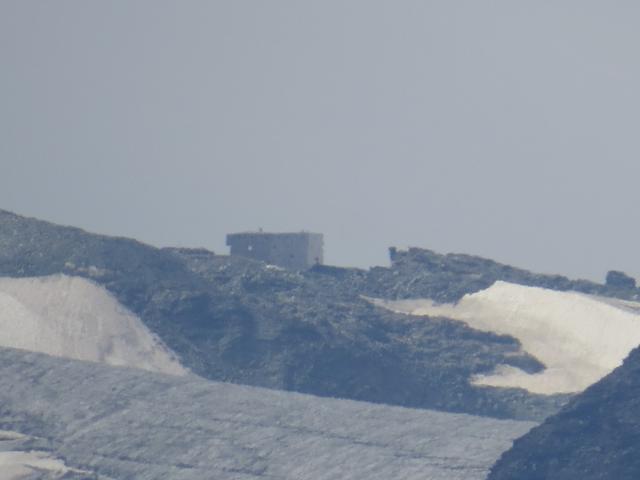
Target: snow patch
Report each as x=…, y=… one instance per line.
x=73, y=317
x=21, y=465
x=579, y=338
x=6, y=435
x=27, y=464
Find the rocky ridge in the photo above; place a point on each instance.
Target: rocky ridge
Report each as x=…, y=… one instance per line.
x=232, y=319
x=595, y=437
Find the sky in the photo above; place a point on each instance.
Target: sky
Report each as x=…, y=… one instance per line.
x=507, y=129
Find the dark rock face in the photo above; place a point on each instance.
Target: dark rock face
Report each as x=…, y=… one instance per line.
x=238, y=320
x=596, y=436
x=312, y=332
x=617, y=279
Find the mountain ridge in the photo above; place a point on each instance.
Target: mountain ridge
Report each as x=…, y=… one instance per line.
x=233, y=319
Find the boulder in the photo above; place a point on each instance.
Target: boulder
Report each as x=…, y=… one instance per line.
x=618, y=279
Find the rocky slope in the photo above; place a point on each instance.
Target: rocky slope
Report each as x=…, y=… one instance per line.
x=121, y=423
x=329, y=340
x=596, y=436
x=237, y=320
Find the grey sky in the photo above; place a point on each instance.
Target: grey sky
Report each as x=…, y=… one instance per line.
x=502, y=128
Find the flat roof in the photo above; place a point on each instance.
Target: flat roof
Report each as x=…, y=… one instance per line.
x=254, y=234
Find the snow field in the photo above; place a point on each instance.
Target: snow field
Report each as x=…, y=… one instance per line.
x=579, y=338
x=75, y=318
x=131, y=424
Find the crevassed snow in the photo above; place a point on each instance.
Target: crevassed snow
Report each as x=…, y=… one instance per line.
x=75, y=318
x=579, y=338
x=111, y=421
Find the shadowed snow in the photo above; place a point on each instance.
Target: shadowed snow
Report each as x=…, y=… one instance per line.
x=579, y=338
x=75, y=318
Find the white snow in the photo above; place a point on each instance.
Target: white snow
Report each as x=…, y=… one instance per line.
x=75, y=318
x=18, y=465
x=21, y=465
x=6, y=435
x=579, y=338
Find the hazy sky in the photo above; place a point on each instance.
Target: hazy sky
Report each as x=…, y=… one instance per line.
x=507, y=128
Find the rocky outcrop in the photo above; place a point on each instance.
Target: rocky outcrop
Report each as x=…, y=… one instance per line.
x=313, y=332
x=239, y=320
x=621, y=280
x=594, y=437
x=421, y=273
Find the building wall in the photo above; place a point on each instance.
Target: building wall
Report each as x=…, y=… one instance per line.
x=315, y=249
x=295, y=251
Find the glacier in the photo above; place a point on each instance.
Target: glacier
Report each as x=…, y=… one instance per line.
x=120, y=422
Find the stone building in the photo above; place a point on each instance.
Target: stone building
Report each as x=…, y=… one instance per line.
x=294, y=251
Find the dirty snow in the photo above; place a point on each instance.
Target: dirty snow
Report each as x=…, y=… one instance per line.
x=75, y=318
x=579, y=338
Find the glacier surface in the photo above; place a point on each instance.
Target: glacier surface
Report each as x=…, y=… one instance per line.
x=128, y=423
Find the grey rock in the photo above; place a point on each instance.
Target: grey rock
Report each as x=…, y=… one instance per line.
x=418, y=272
x=618, y=279
x=595, y=437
